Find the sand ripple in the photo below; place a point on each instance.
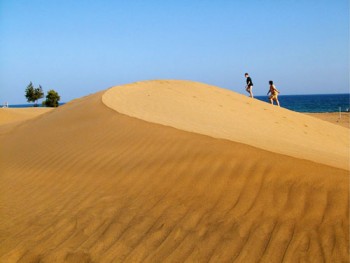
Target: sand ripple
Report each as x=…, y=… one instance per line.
x=84, y=183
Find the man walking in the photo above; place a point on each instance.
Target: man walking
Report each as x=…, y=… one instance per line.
x=249, y=86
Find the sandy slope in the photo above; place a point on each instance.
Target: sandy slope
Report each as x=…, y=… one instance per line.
x=220, y=113
x=84, y=183
x=11, y=115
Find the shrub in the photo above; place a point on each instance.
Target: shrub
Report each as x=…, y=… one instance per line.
x=52, y=99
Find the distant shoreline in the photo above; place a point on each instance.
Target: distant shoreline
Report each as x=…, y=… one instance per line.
x=29, y=106
x=309, y=103
x=336, y=118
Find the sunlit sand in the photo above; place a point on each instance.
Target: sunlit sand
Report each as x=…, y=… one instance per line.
x=172, y=171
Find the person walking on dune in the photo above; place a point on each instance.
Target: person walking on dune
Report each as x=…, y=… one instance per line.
x=249, y=86
x=274, y=93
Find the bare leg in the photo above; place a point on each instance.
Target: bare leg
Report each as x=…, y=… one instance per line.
x=249, y=90
x=271, y=100
x=278, y=103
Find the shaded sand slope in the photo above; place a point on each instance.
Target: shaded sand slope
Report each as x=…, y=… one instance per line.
x=84, y=183
x=221, y=113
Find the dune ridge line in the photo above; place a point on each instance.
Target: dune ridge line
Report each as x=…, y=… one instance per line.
x=220, y=113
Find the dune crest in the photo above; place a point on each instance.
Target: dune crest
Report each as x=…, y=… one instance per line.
x=220, y=113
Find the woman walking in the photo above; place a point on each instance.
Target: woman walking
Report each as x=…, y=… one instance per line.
x=274, y=93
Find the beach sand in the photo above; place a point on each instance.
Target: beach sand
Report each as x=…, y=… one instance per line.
x=101, y=180
x=341, y=119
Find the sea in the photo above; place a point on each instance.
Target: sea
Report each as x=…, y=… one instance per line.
x=313, y=103
x=29, y=105
x=299, y=103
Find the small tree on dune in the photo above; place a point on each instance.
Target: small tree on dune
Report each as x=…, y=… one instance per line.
x=34, y=94
x=52, y=99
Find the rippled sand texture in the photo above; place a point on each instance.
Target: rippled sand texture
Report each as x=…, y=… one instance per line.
x=84, y=183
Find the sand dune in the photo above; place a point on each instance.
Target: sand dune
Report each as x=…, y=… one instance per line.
x=84, y=183
x=10, y=118
x=11, y=115
x=220, y=113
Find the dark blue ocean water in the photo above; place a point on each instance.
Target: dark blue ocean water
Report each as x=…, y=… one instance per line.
x=313, y=103
x=300, y=103
x=28, y=105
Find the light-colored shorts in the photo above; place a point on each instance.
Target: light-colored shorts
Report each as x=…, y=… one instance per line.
x=273, y=96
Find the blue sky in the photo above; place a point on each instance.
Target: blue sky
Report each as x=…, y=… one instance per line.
x=81, y=47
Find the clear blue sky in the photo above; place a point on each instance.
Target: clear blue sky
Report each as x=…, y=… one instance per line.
x=80, y=47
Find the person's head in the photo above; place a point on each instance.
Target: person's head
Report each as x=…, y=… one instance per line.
x=246, y=74
x=271, y=82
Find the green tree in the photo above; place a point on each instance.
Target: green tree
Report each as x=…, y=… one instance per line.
x=30, y=92
x=52, y=99
x=34, y=94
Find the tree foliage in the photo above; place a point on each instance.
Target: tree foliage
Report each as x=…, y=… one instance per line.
x=52, y=99
x=34, y=94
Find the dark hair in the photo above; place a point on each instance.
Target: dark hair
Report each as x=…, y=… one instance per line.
x=246, y=74
x=271, y=82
